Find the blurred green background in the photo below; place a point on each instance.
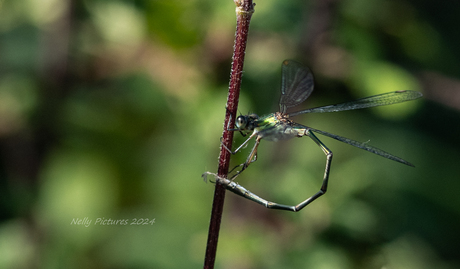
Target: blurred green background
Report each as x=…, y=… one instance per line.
x=114, y=109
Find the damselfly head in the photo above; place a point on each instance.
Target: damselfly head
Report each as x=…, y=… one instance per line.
x=246, y=122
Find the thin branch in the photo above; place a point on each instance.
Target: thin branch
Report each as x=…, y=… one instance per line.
x=244, y=10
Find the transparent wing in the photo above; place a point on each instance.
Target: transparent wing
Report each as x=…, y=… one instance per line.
x=362, y=146
x=372, y=101
x=296, y=85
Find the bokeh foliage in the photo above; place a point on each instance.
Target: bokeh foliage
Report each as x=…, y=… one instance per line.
x=113, y=110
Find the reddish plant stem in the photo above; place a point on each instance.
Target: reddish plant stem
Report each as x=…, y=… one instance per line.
x=244, y=11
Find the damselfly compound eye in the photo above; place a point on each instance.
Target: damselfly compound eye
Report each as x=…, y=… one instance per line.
x=241, y=122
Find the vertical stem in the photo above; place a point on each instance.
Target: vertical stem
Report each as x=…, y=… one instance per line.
x=244, y=10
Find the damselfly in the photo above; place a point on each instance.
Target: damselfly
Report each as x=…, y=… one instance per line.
x=297, y=85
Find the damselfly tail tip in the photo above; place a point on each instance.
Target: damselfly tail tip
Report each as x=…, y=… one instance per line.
x=205, y=176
